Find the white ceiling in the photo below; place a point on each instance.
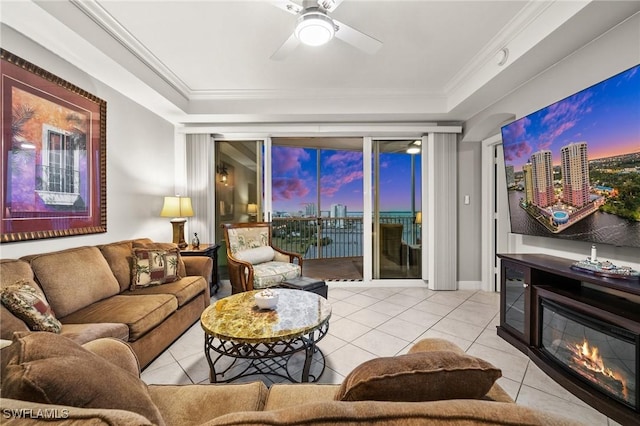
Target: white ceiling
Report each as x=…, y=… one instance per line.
x=203, y=62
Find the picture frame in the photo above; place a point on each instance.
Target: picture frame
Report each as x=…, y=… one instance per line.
x=53, y=162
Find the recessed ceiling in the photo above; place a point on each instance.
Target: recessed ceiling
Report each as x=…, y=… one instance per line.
x=203, y=62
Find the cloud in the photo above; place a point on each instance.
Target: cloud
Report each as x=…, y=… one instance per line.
x=288, y=188
x=562, y=116
x=338, y=170
x=517, y=150
x=287, y=159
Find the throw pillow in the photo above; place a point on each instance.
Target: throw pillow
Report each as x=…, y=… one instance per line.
x=148, y=244
x=52, y=369
x=256, y=255
x=26, y=303
x=154, y=267
x=422, y=376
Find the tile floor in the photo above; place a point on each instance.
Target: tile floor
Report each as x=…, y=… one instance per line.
x=372, y=322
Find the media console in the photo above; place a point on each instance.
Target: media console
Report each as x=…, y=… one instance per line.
x=583, y=330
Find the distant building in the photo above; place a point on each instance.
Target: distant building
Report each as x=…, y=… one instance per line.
x=338, y=211
x=511, y=177
x=310, y=210
x=528, y=183
x=575, y=174
x=542, y=182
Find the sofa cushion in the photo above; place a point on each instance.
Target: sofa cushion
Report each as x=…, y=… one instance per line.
x=119, y=256
x=51, y=369
x=185, y=289
x=421, y=376
x=26, y=303
x=139, y=313
x=74, y=278
x=256, y=255
x=83, y=333
x=285, y=395
x=154, y=267
x=148, y=244
x=269, y=274
x=66, y=416
x=434, y=413
x=197, y=404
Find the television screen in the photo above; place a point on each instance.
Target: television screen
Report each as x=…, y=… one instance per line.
x=573, y=168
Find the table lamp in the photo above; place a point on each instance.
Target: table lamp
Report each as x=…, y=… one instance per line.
x=252, y=211
x=179, y=208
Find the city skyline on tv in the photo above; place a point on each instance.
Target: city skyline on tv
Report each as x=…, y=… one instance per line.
x=573, y=167
x=605, y=115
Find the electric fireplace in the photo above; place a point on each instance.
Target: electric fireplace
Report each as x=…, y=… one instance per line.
x=581, y=329
x=603, y=355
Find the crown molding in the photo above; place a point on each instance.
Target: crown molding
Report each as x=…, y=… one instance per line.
x=114, y=29
x=529, y=13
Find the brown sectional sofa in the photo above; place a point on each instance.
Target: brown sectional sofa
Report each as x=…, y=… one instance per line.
x=89, y=290
x=99, y=383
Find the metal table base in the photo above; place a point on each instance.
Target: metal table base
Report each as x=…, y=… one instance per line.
x=270, y=358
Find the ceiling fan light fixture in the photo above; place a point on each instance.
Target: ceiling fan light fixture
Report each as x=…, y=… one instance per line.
x=314, y=28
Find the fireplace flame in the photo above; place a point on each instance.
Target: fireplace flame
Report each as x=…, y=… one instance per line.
x=589, y=357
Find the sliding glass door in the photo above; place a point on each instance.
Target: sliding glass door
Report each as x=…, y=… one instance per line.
x=396, y=216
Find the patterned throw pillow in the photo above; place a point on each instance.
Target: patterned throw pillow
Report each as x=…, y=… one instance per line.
x=24, y=301
x=154, y=267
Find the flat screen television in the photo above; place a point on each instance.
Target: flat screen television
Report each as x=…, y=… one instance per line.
x=573, y=167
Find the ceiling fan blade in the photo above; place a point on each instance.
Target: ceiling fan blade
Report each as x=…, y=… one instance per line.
x=356, y=38
x=329, y=5
x=287, y=6
x=287, y=47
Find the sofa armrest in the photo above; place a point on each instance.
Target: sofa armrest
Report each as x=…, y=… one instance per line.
x=117, y=352
x=198, y=266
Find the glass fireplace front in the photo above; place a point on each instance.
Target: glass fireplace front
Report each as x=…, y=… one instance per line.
x=601, y=354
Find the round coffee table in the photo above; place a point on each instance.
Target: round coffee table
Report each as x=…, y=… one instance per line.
x=235, y=327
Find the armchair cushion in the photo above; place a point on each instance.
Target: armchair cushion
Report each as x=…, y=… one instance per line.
x=269, y=274
x=420, y=376
x=256, y=255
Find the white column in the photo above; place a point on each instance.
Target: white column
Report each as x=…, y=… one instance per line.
x=201, y=187
x=442, y=213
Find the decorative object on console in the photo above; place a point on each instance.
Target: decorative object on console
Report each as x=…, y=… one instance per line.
x=604, y=269
x=179, y=208
x=195, y=242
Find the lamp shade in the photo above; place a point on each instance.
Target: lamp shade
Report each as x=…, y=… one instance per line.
x=419, y=217
x=177, y=207
x=252, y=208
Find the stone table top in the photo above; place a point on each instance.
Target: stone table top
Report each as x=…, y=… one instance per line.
x=238, y=318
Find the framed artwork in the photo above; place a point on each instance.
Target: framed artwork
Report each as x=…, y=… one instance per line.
x=53, y=155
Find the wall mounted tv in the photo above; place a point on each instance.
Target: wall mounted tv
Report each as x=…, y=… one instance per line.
x=573, y=168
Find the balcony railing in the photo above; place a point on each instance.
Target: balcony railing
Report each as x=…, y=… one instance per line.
x=324, y=238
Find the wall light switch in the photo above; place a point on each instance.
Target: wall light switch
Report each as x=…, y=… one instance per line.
x=467, y=199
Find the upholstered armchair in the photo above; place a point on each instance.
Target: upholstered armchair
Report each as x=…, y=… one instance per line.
x=253, y=262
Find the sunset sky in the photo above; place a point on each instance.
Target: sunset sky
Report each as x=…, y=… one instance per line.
x=606, y=116
x=294, y=179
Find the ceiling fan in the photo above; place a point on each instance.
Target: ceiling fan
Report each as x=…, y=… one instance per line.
x=315, y=27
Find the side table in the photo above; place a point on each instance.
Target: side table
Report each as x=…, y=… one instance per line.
x=210, y=250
